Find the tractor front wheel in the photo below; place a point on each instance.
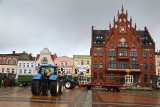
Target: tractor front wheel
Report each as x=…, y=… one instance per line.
x=68, y=85
x=54, y=87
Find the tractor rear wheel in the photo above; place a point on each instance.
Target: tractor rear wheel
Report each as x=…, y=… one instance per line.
x=36, y=87
x=54, y=87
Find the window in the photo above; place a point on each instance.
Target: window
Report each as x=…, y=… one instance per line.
x=101, y=53
x=101, y=65
x=101, y=76
x=20, y=71
x=2, y=70
x=111, y=53
x=87, y=62
x=151, y=66
x=123, y=64
x=81, y=62
x=14, y=62
x=23, y=64
x=30, y=70
x=44, y=60
x=111, y=64
x=159, y=72
x=145, y=77
x=95, y=65
x=27, y=64
x=76, y=62
x=111, y=76
x=95, y=53
x=65, y=63
x=19, y=64
x=25, y=71
x=145, y=54
x=134, y=54
x=9, y=61
x=123, y=53
x=145, y=66
x=151, y=77
x=31, y=64
x=8, y=70
x=134, y=65
x=95, y=75
x=150, y=54
x=12, y=70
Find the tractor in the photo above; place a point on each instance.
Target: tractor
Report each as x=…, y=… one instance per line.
x=69, y=83
x=47, y=79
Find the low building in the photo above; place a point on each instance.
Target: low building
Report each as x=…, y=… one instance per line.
x=65, y=64
x=26, y=64
x=82, y=65
x=8, y=64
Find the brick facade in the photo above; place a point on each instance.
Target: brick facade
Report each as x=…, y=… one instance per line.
x=123, y=47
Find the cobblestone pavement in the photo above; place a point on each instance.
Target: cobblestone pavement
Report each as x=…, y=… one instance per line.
x=78, y=97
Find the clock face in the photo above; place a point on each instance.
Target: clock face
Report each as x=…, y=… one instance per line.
x=122, y=29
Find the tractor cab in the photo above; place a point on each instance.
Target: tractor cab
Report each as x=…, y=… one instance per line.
x=48, y=69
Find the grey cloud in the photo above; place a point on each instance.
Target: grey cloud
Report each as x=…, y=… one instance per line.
x=64, y=26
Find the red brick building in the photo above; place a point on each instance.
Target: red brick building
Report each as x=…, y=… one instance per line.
x=122, y=47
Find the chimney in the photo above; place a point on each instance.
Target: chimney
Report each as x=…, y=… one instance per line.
x=13, y=52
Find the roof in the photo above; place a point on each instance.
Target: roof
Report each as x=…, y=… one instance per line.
x=99, y=37
x=53, y=56
x=146, y=39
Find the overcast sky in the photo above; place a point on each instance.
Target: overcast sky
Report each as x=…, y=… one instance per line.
x=64, y=26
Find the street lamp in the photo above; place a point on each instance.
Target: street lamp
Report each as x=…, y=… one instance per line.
x=128, y=71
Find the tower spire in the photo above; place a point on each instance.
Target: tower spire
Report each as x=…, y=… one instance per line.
x=110, y=25
x=122, y=9
x=131, y=18
x=118, y=13
x=114, y=19
x=126, y=12
x=135, y=26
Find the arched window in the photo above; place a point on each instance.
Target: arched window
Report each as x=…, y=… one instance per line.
x=95, y=65
x=101, y=65
x=9, y=61
x=14, y=61
x=134, y=65
x=95, y=75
